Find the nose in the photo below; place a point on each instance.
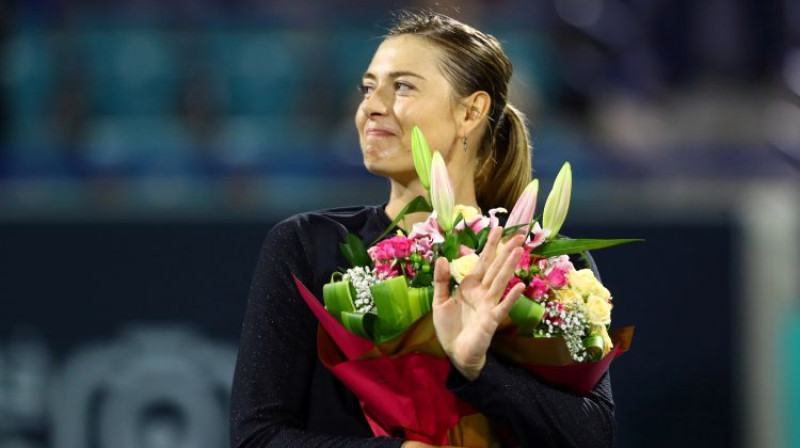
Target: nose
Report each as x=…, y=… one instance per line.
x=376, y=102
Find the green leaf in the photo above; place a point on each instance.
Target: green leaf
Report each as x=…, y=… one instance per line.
x=450, y=247
x=418, y=204
x=422, y=279
x=391, y=302
x=354, y=251
x=526, y=314
x=468, y=237
x=420, y=301
x=338, y=297
x=361, y=324
x=483, y=236
x=565, y=246
x=594, y=346
x=509, y=230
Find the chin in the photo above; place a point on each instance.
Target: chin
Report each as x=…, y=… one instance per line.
x=390, y=171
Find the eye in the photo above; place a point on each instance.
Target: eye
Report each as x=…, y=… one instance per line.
x=403, y=87
x=364, y=89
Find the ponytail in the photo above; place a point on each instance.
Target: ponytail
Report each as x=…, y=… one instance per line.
x=505, y=169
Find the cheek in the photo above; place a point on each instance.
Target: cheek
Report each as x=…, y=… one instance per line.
x=360, y=118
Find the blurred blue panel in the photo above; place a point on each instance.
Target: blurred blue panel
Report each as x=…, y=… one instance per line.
x=27, y=73
x=533, y=61
x=32, y=146
x=133, y=71
x=252, y=142
x=352, y=51
x=263, y=72
x=792, y=381
x=144, y=145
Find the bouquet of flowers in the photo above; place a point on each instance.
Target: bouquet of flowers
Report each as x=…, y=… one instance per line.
x=377, y=334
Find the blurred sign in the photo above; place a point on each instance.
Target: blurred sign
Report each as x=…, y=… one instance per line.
x=154, y=387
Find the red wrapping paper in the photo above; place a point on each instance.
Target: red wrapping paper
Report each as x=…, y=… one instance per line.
x=549, y=360
x=401, y=396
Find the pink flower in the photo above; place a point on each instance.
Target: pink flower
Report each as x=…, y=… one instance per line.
x=536, y=237
x=390, y=249
x=562, y=262
x=475, y=224
x=557, y=278
x=537, y=289
x=430, y=228
x=410, y=271
x=494, y=221
x=464, y=250
x=386, y=270
x=514, y=280
x=524, y=262
x=541, y=263
x=423, y=245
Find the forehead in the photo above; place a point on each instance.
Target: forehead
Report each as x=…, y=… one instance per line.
x=405, y=53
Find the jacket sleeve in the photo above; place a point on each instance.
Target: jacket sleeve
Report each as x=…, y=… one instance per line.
x=277, y=354
x=537, y=414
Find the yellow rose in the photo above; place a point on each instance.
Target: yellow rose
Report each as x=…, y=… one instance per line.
x=601, y=291
x=598, y=310
x=586, y=284
x=581, y=281
x=607, y=342
x=460, y=267
x=567, y=296
x=468, y=212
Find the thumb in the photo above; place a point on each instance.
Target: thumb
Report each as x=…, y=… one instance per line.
x=441, y=281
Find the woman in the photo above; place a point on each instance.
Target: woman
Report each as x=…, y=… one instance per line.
x=452, y=81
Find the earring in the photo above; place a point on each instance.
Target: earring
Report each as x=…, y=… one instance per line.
x=465, y=144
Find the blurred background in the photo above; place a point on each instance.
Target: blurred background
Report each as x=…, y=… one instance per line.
x=146, y=147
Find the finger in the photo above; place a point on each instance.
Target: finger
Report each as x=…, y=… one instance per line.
x=500, y=260
x=505, y=272
x=489, y=252
x=441, y=281
x=502, y=309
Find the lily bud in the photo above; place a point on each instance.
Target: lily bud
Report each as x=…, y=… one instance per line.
x=522, y=213
x=442, y=198
x=421, y=153
x=557, y=205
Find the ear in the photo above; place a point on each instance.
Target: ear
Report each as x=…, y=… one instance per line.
x=476, y=109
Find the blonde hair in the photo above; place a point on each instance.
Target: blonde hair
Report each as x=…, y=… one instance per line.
x=474, y=61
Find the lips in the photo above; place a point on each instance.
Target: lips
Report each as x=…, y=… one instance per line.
x=378, y=132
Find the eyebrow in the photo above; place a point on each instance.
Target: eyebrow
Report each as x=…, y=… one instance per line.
x=393, y=75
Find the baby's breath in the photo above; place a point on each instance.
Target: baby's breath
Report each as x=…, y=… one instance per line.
x=362, y=278
x=567, y=321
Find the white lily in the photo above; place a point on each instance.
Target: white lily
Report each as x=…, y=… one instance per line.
x=557, y=205
x=421, y=154
x=522, y=213
x=442, y=197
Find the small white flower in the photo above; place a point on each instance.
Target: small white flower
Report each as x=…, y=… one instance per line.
x=362, y=278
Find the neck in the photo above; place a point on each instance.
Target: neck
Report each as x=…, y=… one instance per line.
x=403, y=193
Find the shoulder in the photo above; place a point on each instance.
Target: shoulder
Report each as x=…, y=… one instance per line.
x=320, y=228
x=344, y=217
x=308, y=242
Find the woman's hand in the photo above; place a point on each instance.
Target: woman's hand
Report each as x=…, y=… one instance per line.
x=466, y=320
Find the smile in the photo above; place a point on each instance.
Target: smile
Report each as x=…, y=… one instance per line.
x=375, y=132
